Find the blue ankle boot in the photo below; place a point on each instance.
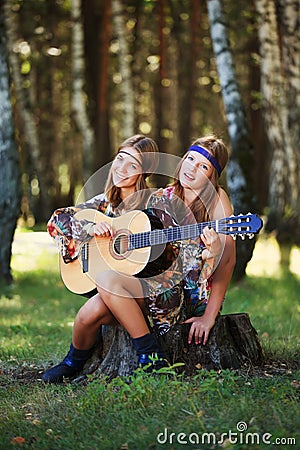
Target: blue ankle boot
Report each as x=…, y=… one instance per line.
x=149, y=352
x=153, y=361
x=70, y=366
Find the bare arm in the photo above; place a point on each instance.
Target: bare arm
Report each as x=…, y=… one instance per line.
x=201, y=326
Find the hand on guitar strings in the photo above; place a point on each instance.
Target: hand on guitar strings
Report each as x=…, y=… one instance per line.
x=212, y=242
x=101, y=229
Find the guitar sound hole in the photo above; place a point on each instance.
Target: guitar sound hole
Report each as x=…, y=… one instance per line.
x=120, y=245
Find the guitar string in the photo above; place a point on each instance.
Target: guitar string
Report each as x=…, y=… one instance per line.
x=142, y=239
x=162, y=236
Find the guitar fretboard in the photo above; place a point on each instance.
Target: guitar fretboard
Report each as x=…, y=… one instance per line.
x=179, y=233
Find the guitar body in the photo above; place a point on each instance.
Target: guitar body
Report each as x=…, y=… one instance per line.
x=104, y=253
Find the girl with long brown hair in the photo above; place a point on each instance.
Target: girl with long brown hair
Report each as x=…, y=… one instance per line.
x=115, y=299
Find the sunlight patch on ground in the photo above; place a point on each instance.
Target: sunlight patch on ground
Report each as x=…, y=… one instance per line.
x=34, y=250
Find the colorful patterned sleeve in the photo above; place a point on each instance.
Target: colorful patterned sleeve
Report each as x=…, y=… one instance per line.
x=68, y=230
x=61, y=227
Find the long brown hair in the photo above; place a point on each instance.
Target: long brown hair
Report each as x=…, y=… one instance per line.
x=205, y=202
x=148, y=151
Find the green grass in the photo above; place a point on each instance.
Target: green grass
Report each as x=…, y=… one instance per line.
x=36, y=316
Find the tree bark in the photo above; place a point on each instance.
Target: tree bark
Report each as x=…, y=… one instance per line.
x=233, y=343
x=127, y=97
x=9, y=165
x=280, y=80
x=161, y=99
x=23, y=103
x=188, y=52
x=79, y=108
x=97, y=29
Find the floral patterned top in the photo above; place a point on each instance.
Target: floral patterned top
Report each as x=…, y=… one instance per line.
x=69, y=231
x=182, y=291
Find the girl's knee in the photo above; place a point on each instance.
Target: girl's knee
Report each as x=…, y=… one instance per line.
x=93, y=311
x=107, y=282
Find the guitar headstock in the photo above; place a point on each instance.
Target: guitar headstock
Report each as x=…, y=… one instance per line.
x=242, y=225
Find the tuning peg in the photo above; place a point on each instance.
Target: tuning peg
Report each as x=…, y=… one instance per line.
x=250, y=235
x=242, y=237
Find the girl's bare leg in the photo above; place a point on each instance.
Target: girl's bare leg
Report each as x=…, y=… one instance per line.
x=123, y=296
x=90, y=317
x=119, y=300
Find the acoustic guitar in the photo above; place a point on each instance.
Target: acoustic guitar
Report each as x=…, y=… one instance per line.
x=129, y=249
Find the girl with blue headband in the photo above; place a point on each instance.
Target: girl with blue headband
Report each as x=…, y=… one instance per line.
x=195, y=291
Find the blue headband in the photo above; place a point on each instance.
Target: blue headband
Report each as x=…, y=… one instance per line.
x=207, y=155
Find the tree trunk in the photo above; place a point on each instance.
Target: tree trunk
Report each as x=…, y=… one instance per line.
x=79, y=108
x=162, y=91
x=97, y=29
x=9, y=165
x=127, y=97
x=232, y=344
x=256, y=121
x=279, y=50
x=23, y=103
x=239, y=171
x=188, y=52
x=161, y=86
x=289, y=38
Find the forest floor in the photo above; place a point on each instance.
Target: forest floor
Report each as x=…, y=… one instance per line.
x=36, y=318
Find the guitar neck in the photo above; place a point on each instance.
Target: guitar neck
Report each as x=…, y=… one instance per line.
x=177, y=233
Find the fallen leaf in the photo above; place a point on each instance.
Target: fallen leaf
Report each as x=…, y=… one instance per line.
x=18, y=440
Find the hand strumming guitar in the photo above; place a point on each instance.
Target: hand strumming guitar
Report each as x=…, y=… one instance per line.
x=101, y=229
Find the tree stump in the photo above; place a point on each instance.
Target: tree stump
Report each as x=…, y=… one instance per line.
x=232, y=344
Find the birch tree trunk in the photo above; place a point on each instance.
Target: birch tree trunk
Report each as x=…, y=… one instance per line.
x=280, y=91
x=126, y=86
x=9, y=165
x=26, y=114
x=79, y=97
x=239, y=171
x=40, y=160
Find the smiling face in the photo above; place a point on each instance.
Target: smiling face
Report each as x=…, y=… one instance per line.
x=126, y=168
x=195, y=171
